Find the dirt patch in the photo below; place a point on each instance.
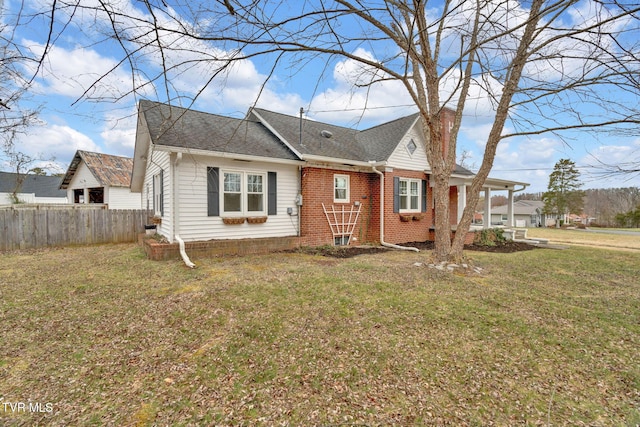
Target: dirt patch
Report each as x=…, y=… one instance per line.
x=351, y=251
x=341, y=251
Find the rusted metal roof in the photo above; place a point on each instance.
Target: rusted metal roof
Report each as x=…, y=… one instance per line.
x=109, y=170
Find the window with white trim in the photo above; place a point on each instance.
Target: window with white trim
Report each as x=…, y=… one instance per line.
x=341, y=188
x=409, y=195
x=243, y=193
x=255, y=192
x=158, y=194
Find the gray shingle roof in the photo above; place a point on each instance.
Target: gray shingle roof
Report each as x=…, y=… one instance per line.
x=521, y=207
x=374, y=144
x=41, y=186
x=380, y=141
x=183, y=128
x=269, y=134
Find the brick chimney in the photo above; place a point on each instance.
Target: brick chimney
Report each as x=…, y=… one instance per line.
x=447, y=117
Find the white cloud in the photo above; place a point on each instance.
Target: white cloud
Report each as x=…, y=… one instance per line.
x=58, y=141
x=119, y=132
x=599, y=164
x=344, y=101
x=73, y=71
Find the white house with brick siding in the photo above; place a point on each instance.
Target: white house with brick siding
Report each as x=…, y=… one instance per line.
x=270, y=175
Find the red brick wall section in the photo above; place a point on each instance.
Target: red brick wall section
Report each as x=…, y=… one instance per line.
x=395, y=230
x=317, y=188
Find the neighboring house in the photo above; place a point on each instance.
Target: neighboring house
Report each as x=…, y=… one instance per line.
x=34, y=189
x=101, y=178
x=527, y=213
x=272, y=175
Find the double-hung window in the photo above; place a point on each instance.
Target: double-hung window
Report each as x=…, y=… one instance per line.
x=341, y=188
x=232, y=190
x=255, y=192
x=243, y=193
x=409, y=195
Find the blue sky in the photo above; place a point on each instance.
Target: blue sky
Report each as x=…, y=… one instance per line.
x=80, y=57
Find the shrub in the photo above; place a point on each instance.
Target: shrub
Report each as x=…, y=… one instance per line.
x=489, y=237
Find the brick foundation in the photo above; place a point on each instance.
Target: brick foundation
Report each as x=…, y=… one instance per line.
x=158, y=251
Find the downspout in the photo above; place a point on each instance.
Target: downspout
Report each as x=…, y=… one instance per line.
x=174, y=210
x=382, y=242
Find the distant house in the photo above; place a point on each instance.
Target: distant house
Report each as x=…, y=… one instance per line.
x=100, y=178
x=34, y=189
x=270, y=175
x=527, y=213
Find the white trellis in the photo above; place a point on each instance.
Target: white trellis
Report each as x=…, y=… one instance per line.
x=342, y=220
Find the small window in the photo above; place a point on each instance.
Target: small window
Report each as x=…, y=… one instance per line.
x=341, y=188
x=158, y=196
x=341, y=240
x=411, y=147
x=96, y=195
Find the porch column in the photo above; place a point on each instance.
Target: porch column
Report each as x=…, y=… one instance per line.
x=510, y=219
x=487, y=208
x=462, y=200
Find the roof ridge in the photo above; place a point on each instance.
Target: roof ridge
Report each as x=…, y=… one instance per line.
x=190, y=110
x=390, y=122
x=104, y=154
x=307, y=119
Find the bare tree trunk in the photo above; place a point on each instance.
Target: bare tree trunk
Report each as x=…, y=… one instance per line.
x=442, y=244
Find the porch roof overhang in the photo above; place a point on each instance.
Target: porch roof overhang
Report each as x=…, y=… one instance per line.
x=490, y=183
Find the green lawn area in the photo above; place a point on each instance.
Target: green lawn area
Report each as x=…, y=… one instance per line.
x=106, y=337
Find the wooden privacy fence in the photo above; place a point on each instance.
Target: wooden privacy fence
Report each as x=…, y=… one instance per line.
x=39, y=226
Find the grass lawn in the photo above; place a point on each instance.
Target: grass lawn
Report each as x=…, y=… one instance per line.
x=578, y=237
x=102, y=336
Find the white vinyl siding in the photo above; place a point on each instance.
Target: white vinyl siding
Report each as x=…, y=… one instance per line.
x=122, y=198
x=401, y=158
x=156, y=161
x=196, y=224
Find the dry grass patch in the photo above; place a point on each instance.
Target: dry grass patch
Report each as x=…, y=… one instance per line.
x=110, y=338
x=578, y=237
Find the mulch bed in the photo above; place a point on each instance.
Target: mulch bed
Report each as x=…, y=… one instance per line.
x=351, y=251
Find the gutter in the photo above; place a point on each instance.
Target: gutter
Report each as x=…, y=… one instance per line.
x=382, y=242
x=174, y=214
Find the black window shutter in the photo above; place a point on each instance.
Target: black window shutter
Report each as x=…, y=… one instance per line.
x=272, y=188
x=424, y=195
x=213, y=191
x=396, y=194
